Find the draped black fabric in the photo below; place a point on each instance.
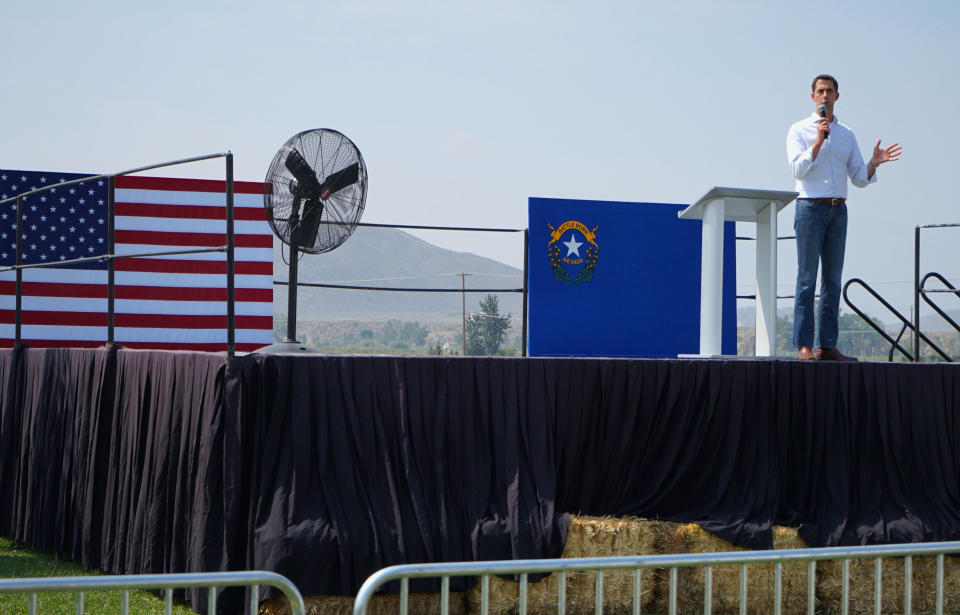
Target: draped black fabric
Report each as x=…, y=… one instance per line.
x=327, y=468
x=381, y=460
x=99, y=453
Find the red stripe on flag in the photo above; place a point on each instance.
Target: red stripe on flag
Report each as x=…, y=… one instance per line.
x=184, y=266
x=199, y=212
x=207, y=347
x=141, y=321
x=155, y=293
x=190, y=321
x=212, y=240
x=186, y=185
x=169, y=293
x=56, y=289
x=8, y=343
x=71, y=319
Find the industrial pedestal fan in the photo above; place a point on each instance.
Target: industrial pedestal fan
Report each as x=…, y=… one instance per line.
x=313, y=195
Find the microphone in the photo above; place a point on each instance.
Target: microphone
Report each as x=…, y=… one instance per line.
x=823, y=113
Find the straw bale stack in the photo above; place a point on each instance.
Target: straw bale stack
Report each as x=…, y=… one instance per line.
x=586, y=537
x=924, y=581
x=386, y=604
x=691, y=538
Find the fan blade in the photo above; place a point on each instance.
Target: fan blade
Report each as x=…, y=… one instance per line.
x=309, y=223
x=335, y=182
x=309, y=186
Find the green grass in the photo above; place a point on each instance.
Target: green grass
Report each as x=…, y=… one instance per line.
x=27, y=562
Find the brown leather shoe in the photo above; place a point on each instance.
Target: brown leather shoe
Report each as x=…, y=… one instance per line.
x=805, y=354
x=832, y=354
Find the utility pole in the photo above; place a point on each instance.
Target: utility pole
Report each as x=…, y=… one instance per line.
x=463, y=313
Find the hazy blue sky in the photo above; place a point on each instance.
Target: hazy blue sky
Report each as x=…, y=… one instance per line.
x=462, y=110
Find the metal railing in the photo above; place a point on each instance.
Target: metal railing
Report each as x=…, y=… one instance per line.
x=918, y=285
x=109, y=257
x=166, y=582
x=754, y=296
x=444, y=571
x=906, y=324
x=462, y=290
x=950, y=288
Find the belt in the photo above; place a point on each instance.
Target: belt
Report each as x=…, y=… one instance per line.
x=833, y=201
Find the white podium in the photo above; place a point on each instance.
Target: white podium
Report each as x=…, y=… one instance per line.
x=739, y=205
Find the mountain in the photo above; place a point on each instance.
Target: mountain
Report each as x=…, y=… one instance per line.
x=375, y=256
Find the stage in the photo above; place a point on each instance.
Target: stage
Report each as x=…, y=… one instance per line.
x=327, y=468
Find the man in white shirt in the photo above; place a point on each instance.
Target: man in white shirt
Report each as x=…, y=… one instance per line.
x=823, y=153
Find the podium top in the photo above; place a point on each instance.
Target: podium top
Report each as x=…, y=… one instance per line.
x=740, y=204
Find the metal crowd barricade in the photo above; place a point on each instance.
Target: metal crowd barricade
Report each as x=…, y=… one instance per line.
x=166, y=582
x=444, y=571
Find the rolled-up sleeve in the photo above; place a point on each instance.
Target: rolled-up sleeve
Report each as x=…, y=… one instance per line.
x=857, y=169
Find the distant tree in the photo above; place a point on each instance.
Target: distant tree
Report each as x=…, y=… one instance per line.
x=414, y=333
x=390, y=332
x=486, y=329
x=784, y=336
x=398, y=335
x=856, y=337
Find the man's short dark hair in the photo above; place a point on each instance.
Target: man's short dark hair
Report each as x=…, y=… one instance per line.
x=813, y=86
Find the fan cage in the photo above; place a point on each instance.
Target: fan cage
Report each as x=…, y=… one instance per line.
x=326, y=151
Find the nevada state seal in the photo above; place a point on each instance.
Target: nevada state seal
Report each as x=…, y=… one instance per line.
x=573, y=261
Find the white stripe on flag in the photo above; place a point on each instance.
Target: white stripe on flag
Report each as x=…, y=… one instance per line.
x=136, y=278
x=239, y=254
x=191, y=336
x=189, y=225
x=177, y=197
x=132, y=334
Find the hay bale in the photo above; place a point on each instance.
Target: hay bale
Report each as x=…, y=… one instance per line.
x=924, y=581
x=586, y=537
x=383, y=604
x=691, y=538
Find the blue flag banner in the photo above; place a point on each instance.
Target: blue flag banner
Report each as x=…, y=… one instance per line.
x=613, y=279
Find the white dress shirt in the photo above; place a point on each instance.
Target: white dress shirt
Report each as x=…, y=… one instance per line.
x=839, y=158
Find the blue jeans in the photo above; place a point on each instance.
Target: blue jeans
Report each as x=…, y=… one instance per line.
x=821, y=231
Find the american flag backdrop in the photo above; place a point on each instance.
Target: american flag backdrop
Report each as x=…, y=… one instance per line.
x=166, y=302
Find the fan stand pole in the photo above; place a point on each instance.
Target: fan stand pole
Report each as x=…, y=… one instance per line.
x=292, y=283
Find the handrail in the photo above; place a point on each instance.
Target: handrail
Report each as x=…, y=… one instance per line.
x=895, y=343
x=950, y=288
x=916, y=277
x=81, y=180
